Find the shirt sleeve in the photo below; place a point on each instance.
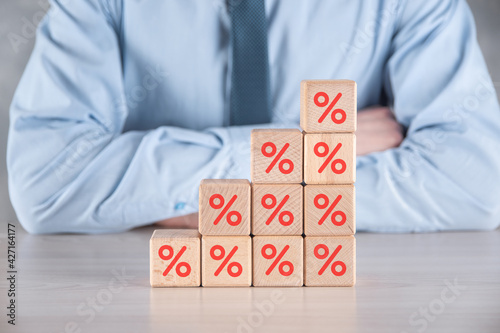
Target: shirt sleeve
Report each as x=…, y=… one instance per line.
x=446, y=173
x=71, y=169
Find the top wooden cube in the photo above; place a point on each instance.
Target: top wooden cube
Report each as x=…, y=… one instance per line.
x=276, y=156
x=328, y=106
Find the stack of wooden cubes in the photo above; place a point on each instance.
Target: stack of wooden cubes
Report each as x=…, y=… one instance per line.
x=328, y=117
x=294, y=225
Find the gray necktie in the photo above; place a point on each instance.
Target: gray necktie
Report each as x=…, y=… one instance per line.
x=250, y=101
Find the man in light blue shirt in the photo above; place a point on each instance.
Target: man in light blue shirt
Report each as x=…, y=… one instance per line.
x=124, y=108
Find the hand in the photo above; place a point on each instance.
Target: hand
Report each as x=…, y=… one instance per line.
x=180, y=222
x=377, y=131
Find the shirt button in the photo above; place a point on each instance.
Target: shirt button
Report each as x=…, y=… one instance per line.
x=180, y=205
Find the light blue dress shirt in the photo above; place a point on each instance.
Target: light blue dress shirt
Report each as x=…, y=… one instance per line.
x=123, y=109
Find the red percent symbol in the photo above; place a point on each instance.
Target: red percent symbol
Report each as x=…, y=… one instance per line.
x=285, y=162
x=321, y=149
x=272, y=204
x=217, y=201
x=174, y=261
x=326, y=252
x=272, y=255
x=221, y=255
x=335, y=112
x=321, y=201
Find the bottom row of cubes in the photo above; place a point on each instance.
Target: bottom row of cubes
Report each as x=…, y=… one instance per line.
x=179, y=259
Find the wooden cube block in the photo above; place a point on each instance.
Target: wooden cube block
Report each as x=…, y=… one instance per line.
x=226, y=261
x=225, y=207
x=329, y=210
x=276, y=156
x=277, y=209
x=330, y=261
x=278, y=261
x=175, y=258
x=328, y=106
x=330, y=158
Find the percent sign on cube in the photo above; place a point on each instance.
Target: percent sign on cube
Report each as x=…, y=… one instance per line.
x=328, y=106
x=234, y=268
x=322, y=149
x=217, y=202
x=329, y=210
x=277, y=209
x=321, y=99
x=338, y=217
x=329, y=158
x=269, y=252
x=224, y=207
x=330, y=261
x=285, y=165
x=321, y=252
x=278, y=260
x=226, y=261
x=276, y=156
x=182, y=269
x=285, y=217
x=175, y=258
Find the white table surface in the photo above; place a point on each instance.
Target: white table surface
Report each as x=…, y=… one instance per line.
x=397, y=276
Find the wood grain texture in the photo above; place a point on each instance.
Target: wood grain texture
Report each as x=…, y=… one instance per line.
x=288, y=220
x=292, y=156
x=239, y=264
x=264, y=275
x=236, y=192
x=313, y=172
x=168, y=243
x=311, y=114
x=325, y=196
x=319, y=271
